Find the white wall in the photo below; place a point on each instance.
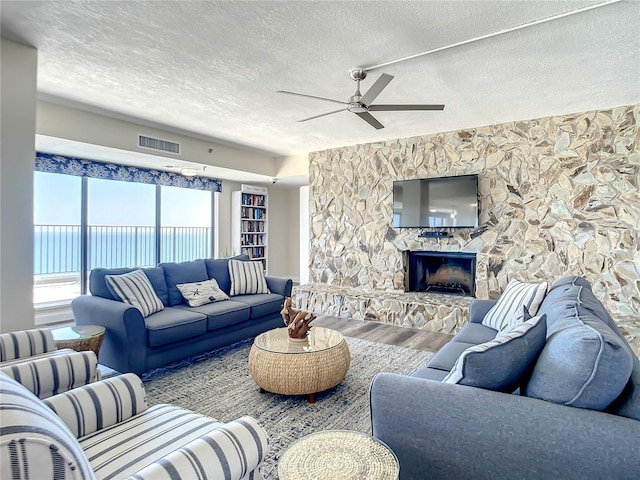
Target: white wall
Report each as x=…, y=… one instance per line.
x=282, y=233
x=18, y=114
x=304, y=235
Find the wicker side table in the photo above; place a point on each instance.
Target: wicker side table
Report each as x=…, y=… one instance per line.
x=80, y=338
x=338, y=455
x=299, y=368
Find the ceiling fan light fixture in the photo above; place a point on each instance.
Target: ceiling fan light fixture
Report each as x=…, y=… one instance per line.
x=189, y=172
x=357, y=108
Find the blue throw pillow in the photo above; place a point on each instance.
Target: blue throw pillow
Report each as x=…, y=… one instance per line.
x=503, y=363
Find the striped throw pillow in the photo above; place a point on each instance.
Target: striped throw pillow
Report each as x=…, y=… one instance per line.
x=135, y=289
x=509, y=309
x=35, y=441
x=247, y=278
x=503, y=363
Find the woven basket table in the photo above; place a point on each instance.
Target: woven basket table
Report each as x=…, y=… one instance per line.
x=279, y=365
x=79, y=338
x=338, y=455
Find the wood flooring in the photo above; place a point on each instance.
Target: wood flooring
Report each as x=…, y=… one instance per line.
x=385, y=333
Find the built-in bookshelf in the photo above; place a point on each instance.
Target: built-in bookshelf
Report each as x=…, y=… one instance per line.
x=249, y=222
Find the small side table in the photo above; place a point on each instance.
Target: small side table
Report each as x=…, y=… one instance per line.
x=80, y=338
x=339, y=455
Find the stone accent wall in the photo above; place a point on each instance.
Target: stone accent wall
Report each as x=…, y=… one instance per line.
x=558, y=196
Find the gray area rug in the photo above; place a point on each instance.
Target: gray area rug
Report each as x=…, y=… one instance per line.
x=218, y=384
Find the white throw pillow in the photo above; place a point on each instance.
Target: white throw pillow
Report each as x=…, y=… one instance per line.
x=135, y=289
x=509, y=309
x=247, y=278
x=201, y=293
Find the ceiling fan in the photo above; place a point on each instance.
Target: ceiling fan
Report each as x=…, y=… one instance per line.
x=361, y=104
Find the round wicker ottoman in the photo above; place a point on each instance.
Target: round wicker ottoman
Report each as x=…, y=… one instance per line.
x=278, y=365
x=338, y=455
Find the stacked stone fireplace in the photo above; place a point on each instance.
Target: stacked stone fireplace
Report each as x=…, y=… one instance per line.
x=451, y=273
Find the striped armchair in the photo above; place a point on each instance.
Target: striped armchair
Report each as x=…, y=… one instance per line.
x=105, y=430
x=31, y=358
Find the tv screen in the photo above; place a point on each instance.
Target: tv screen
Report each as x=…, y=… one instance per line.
x=446, y=202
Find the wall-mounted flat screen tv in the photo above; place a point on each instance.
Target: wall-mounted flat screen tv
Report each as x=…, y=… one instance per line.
x=445, y=202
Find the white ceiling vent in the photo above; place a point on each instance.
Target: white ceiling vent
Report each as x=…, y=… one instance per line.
x=158, y=144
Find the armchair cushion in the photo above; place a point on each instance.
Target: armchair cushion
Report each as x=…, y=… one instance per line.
x=25, y=343
x=55, y=374
x=230, y=452
x=35, y=441
x=99, y=405
x=124, y=448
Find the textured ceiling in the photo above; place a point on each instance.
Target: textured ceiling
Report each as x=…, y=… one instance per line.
x=213, y=68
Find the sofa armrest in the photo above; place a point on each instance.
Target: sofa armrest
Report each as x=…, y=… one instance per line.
x=231, y=451
x=451, y=431
x=279, y=285
x=125, y=340
x=478, y=309
x=101, y=404
x=55, y=374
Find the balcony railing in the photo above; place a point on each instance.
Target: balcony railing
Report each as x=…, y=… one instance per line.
x=58, y=248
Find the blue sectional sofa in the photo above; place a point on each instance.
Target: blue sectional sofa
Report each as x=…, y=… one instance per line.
x=136, y=344
x=575, y=415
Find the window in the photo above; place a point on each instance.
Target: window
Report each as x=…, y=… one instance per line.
x=121, y=224
x=186, y=219
x=126, y=224
x=56, y=256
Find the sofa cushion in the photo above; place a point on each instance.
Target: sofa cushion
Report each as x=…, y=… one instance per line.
x=36, y=442
x=125, y=448
x=508, y=310
x=247, y=278
x=446, y=357
x=262, y=304
x=174, y=324
x=201, y=293
x=183, y=272
x=218, y=268
x=430, y=374
x=135, y=289
x=500, y=364
x=221, y=314
x=475, y=333
x=584, y=362
x=98, y=285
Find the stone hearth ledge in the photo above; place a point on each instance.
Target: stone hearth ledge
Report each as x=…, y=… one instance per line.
x=428, y=311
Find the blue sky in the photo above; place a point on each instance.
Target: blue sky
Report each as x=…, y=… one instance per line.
x=57, y=202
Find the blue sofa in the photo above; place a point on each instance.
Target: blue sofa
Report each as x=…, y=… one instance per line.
x=450, y=431
x=136, y=344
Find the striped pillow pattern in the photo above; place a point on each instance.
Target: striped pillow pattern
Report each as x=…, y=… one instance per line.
x=25, y=343
x=509, y=309
x=35, y=442
x=145, y=438
x=55, y=374
x=501, y=364
x=52, y=353
x=135, y=289
x=232, y=451
x=100, y=405
x=247, y=278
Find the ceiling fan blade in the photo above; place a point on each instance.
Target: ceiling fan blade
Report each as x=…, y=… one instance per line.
x=312, y=96
x=389, y=108
x=371, y=120
x=370, y=95
x=322, y=115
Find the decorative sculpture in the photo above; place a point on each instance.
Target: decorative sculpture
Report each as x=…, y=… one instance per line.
x=297, y=321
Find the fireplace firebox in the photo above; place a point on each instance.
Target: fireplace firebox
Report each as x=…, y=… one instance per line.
x=440, y=272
